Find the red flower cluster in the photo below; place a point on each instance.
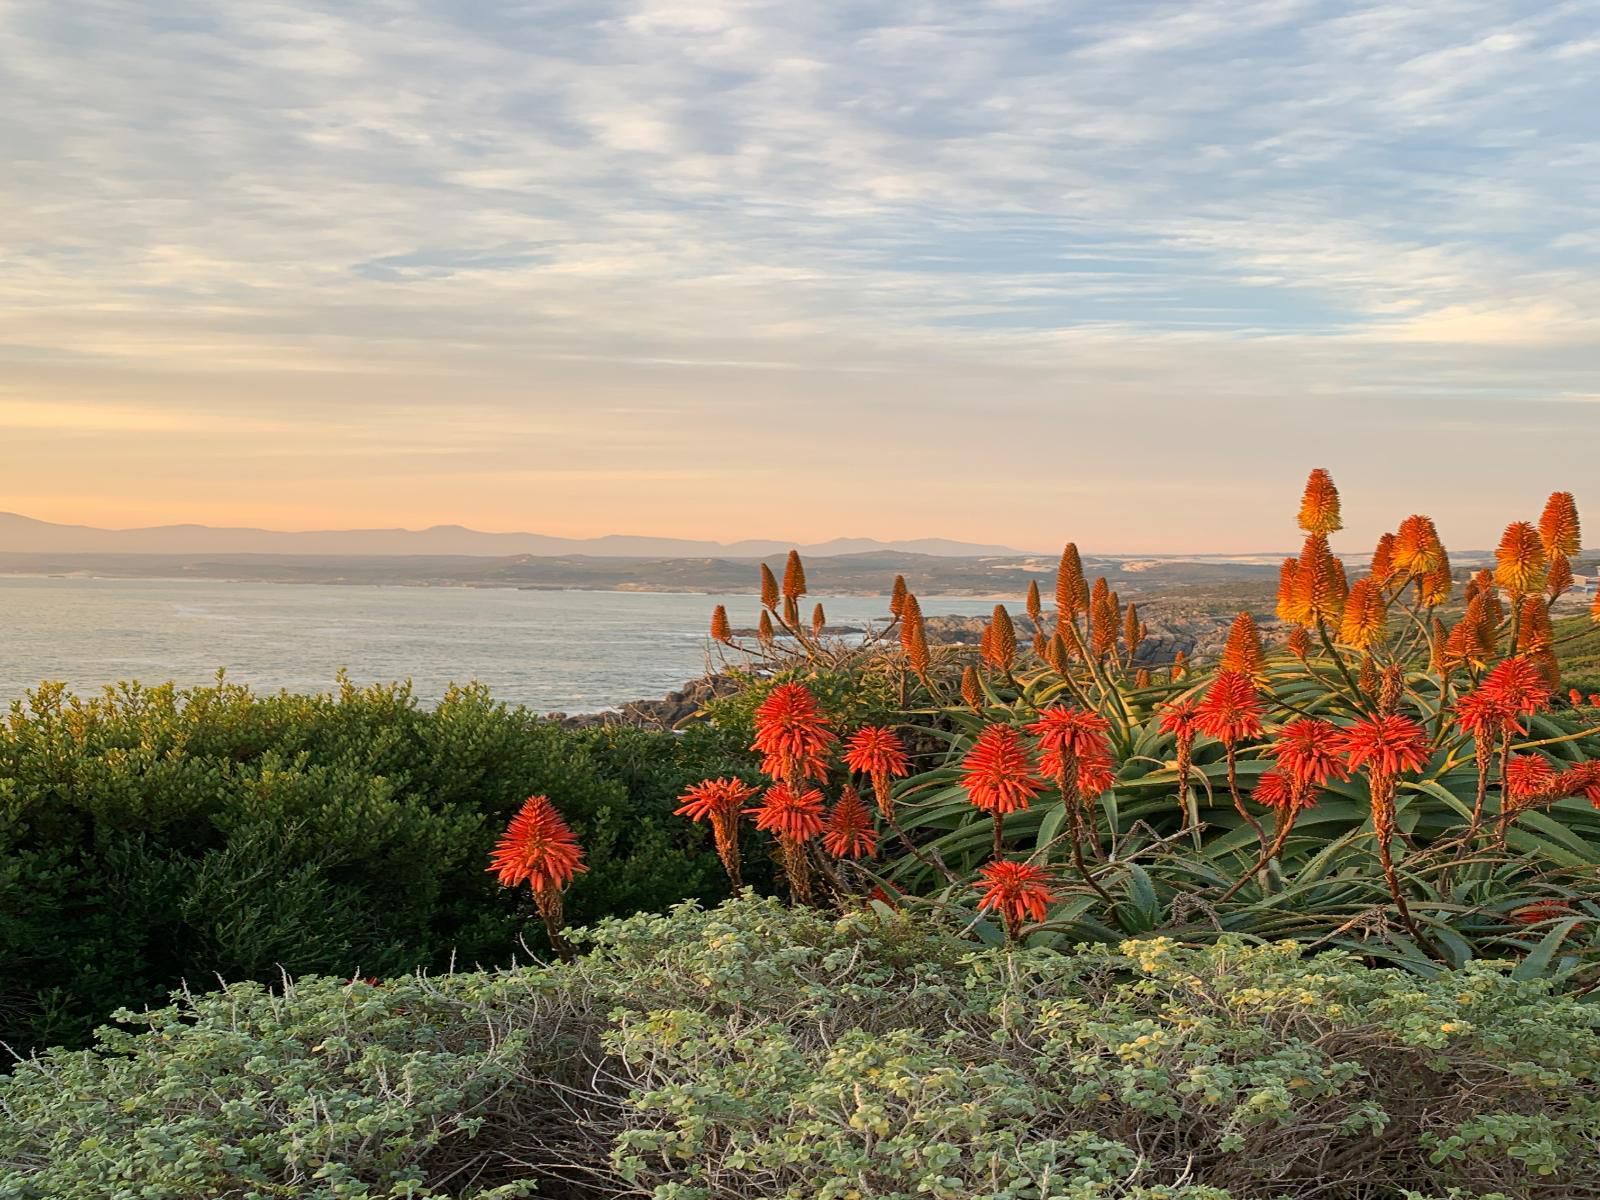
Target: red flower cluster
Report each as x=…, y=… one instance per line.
x=1309, y=752
x=879, y=754
x=789, y=812
x=792, y=734
x=538, y=849
x=1231, y=709
x=849, y=832
x=876, y=750
x=1017, y=891
x=720, y=802
x=998, y=771
x=1075, y=749
x=1274, y=790
x=1385, y=746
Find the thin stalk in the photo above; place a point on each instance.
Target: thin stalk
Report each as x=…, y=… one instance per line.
x=1280, y=836
x=1077, y=848
x=1233, y=789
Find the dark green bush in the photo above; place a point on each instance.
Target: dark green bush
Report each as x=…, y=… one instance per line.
x=753, y=1051
x=151, y=836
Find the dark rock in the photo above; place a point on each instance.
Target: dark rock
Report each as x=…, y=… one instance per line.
x=672, y=711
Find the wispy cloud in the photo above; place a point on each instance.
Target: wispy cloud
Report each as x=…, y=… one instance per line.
x=755, y=221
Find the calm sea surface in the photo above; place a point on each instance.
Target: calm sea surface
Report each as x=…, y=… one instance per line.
x=553, y=651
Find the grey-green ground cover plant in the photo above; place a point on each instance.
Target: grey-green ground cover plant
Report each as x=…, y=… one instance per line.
x=758, y=1051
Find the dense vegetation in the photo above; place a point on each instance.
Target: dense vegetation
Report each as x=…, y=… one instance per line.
x=150, y=837
x=1064, y=922
x=758, y=1051
x=1405, y=774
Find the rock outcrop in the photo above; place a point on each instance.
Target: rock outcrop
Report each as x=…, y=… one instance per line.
x=672, y=711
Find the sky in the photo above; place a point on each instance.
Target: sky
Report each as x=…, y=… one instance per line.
x=1014, y=272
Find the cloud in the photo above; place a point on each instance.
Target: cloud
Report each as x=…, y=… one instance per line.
x=696, y=206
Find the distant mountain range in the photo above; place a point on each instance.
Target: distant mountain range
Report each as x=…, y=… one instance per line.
x=25, y=535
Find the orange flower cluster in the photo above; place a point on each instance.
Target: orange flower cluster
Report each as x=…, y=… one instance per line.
x=1018, y=891
x=720, y=801
x=1076, y=752
x=1355, y=640
x=849, y=832
x=539, y=849
x=880, y=755
x=796, y=741
x=792, y=735
x=998, y=771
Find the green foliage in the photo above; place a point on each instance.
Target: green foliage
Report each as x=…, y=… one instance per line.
x=1577, y=643
x=753, y=1051
x=1187, y=873
x=150, y=836
x=852, y=689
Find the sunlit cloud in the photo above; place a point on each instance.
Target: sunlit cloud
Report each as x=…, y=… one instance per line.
x=662, y=251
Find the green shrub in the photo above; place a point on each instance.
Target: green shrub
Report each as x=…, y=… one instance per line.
x=753, y=1051
x=151, y=836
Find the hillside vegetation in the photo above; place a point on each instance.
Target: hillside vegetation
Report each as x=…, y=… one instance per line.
x=755, y=1051
x=154, y=836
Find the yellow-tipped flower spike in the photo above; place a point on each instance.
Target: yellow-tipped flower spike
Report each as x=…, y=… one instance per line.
x=1319, y=507
x=971, y=689
x=721, y=631
x=1003, y=643
x=1520, y=564
x=1436, y=583
x=1072, y=593
x=1319, y=583
x=794, y=577
x=910, y=620
x=1558, y=526
x=1289, y=608
x=1417, y=549
x=1243, y=654
x=1034, y=604
x=1383, y=560
x=1364, y=617
x=1559, y=577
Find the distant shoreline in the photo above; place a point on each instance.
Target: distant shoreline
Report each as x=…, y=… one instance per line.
x=432, y=585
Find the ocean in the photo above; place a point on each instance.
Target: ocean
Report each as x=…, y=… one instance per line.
x=552, y=651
